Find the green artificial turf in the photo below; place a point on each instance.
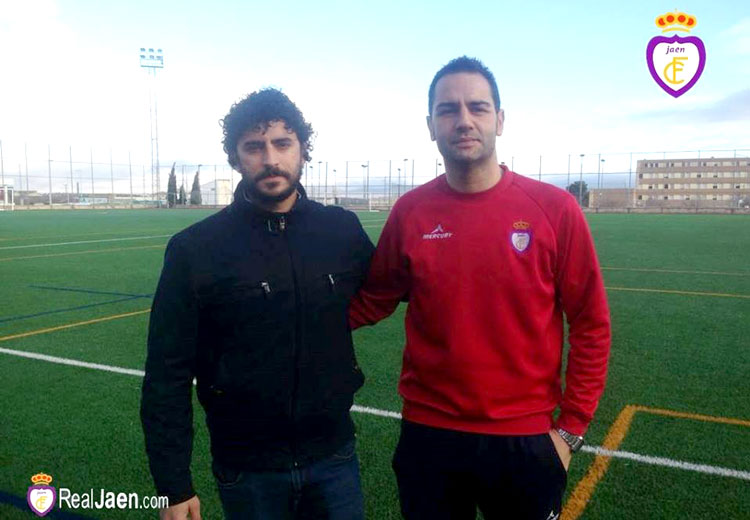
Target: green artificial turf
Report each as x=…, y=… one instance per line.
x=677, y=351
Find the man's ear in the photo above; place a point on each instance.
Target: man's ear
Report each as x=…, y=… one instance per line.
x=432, y=130
x=500, y=121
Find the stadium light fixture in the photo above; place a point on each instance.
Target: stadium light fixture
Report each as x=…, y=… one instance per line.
x=399, y=188
x=317, y=190
x=366, y=175
x=580, y=183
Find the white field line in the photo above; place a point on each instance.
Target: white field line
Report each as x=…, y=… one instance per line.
x=376, y=411
x=72, y=362
x=596, y=450
x=84, y=242
x=81, y=235
x=670, y=463
x=115, y=240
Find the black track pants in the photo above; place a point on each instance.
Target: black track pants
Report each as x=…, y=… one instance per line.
x=447, y=474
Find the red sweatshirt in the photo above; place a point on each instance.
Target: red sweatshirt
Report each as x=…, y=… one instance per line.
x=488, y=276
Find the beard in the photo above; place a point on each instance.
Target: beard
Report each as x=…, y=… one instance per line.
x=258, y=195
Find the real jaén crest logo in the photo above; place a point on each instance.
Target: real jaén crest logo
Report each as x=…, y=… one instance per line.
x=41, y=496
x=520, y=238
x=675, y=62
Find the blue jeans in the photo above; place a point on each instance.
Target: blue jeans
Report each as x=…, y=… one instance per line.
x=327, y=489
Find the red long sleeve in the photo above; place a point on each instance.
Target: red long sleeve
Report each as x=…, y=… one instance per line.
x=488, y=277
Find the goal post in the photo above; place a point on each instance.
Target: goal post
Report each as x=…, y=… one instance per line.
x=7, y=198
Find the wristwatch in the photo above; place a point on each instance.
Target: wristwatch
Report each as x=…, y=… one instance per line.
x=574, y=441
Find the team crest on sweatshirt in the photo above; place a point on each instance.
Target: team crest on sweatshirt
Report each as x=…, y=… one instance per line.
x=520, y=238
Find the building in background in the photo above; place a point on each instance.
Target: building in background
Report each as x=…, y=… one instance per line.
x=711, y=183
x=7, y=198
x=217, y=193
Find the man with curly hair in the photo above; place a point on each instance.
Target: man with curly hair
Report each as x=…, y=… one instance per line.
x=252, y=303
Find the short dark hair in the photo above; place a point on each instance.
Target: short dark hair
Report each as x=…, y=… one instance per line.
x=465, y=64
x=259, y=109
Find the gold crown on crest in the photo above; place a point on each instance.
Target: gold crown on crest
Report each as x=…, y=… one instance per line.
x=41, y=478
x=520, y=224
x=676, y=21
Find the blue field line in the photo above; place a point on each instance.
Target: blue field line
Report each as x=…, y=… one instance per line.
x=20, y=503
x=89, y=291
x=87, y=306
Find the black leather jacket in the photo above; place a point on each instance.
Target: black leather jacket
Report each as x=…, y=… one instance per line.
x=254, y=306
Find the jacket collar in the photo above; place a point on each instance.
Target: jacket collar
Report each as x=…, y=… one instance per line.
x=244, y=205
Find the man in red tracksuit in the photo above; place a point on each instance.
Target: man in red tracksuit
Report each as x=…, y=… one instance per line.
x=489, y=262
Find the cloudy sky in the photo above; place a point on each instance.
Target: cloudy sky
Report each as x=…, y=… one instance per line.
x=572, y=75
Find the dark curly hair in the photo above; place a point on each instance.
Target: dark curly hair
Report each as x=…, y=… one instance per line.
x=464, y=64
x=259, y=109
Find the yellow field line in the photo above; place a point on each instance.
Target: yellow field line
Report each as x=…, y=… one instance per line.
x=684, y=293
x=585, y=488
x=673, y=271
x=582, y=493
x=80, y=252
x=71, y=325
x=694, y=416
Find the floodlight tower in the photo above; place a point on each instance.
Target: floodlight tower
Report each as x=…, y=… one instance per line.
x=151, y=60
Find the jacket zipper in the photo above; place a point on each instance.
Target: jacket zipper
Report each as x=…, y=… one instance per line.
x=295, y=339
x=334, y=279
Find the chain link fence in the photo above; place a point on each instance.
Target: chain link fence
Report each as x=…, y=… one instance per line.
x=47, y=176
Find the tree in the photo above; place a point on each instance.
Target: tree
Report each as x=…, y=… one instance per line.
x=172, y=188
x=181, y=198
x=583, y=195
x=195, y=192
